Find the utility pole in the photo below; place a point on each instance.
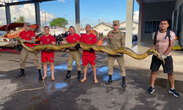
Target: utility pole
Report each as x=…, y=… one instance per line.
x=77, y=15
x=129, y=23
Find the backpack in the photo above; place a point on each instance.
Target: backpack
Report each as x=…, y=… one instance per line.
x=167, y=35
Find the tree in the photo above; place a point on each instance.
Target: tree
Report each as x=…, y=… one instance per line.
x=60, y=22
x=20, y=19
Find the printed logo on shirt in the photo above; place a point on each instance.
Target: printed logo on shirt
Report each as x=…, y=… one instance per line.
x=74, y=38
x=90, y=38
x=48, y=40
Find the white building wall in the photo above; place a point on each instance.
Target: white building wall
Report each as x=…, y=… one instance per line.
x=101, y=28
x=134, y=30
x=57, y=31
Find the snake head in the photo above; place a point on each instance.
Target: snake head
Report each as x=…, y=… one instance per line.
x=151, y=51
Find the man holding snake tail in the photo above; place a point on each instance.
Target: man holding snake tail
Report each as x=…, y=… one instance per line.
x=163, y=42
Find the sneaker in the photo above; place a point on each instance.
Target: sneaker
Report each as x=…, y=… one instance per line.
x=21, y=74
x=174, y=92
x=151, y=90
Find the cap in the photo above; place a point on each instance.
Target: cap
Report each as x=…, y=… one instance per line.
x=116, y=22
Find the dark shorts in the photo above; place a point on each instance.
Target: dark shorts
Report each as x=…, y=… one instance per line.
x=167, y=67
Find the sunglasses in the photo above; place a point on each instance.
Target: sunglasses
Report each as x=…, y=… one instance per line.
x=115, y=24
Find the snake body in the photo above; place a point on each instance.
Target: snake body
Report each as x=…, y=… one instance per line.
x=104, y=49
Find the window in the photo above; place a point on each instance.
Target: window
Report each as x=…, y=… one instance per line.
x=175, y=21
x=151, y=26
x=179, y=26
x=179, y=20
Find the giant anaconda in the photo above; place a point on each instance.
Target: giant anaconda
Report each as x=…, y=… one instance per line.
x=104, y=49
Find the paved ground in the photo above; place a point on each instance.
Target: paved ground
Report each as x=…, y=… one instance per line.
x=73, y=95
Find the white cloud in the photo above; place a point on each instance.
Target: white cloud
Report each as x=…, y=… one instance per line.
x=9, y=0
x=28, y=11
x=136, y=16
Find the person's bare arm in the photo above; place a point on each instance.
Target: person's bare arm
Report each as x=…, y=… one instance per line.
x=53, y=43
x=32, y=41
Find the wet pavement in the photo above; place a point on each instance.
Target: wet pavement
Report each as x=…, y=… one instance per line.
x=73, y=95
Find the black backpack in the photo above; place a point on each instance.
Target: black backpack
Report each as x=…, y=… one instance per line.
x=167, y=35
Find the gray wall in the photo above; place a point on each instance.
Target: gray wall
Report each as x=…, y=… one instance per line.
x=155, y=12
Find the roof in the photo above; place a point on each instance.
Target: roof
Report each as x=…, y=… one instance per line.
x=110, y=25
x=103, y=24
x=133, y=22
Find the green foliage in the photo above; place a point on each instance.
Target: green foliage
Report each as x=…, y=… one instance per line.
x=20, y=19
x=60, y=22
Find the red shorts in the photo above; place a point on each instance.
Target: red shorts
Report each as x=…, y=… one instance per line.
x=88, y=59
x=47, y=57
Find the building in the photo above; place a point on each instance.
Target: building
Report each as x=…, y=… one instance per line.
x=152, y=11
x=105, y=28
x=57, y=31
x=134, y=27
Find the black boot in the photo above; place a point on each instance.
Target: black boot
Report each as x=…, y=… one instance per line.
x=21, y=74
x=123, y=83
x=68, y=75
x=40, y=75
x=109, y=80
x=79, y=75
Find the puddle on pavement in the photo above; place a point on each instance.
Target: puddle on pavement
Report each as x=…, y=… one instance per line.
x=60, y=67
x=104, y=71
x=53, y=86
x=57, y=67
x=116, y=76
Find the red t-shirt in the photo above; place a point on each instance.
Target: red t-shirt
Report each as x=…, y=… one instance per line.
x=46, y=40
x=27, y=36
x=88, y=39
x=73, y=38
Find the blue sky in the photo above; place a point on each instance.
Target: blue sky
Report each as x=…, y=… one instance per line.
x=91, y=11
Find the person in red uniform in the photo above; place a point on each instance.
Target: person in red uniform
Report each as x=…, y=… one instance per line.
x=28, y=37
x=89, y=57
x=47, y=56
x=74, y=53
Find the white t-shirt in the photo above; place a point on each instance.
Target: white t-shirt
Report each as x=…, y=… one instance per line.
x=162, y=42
